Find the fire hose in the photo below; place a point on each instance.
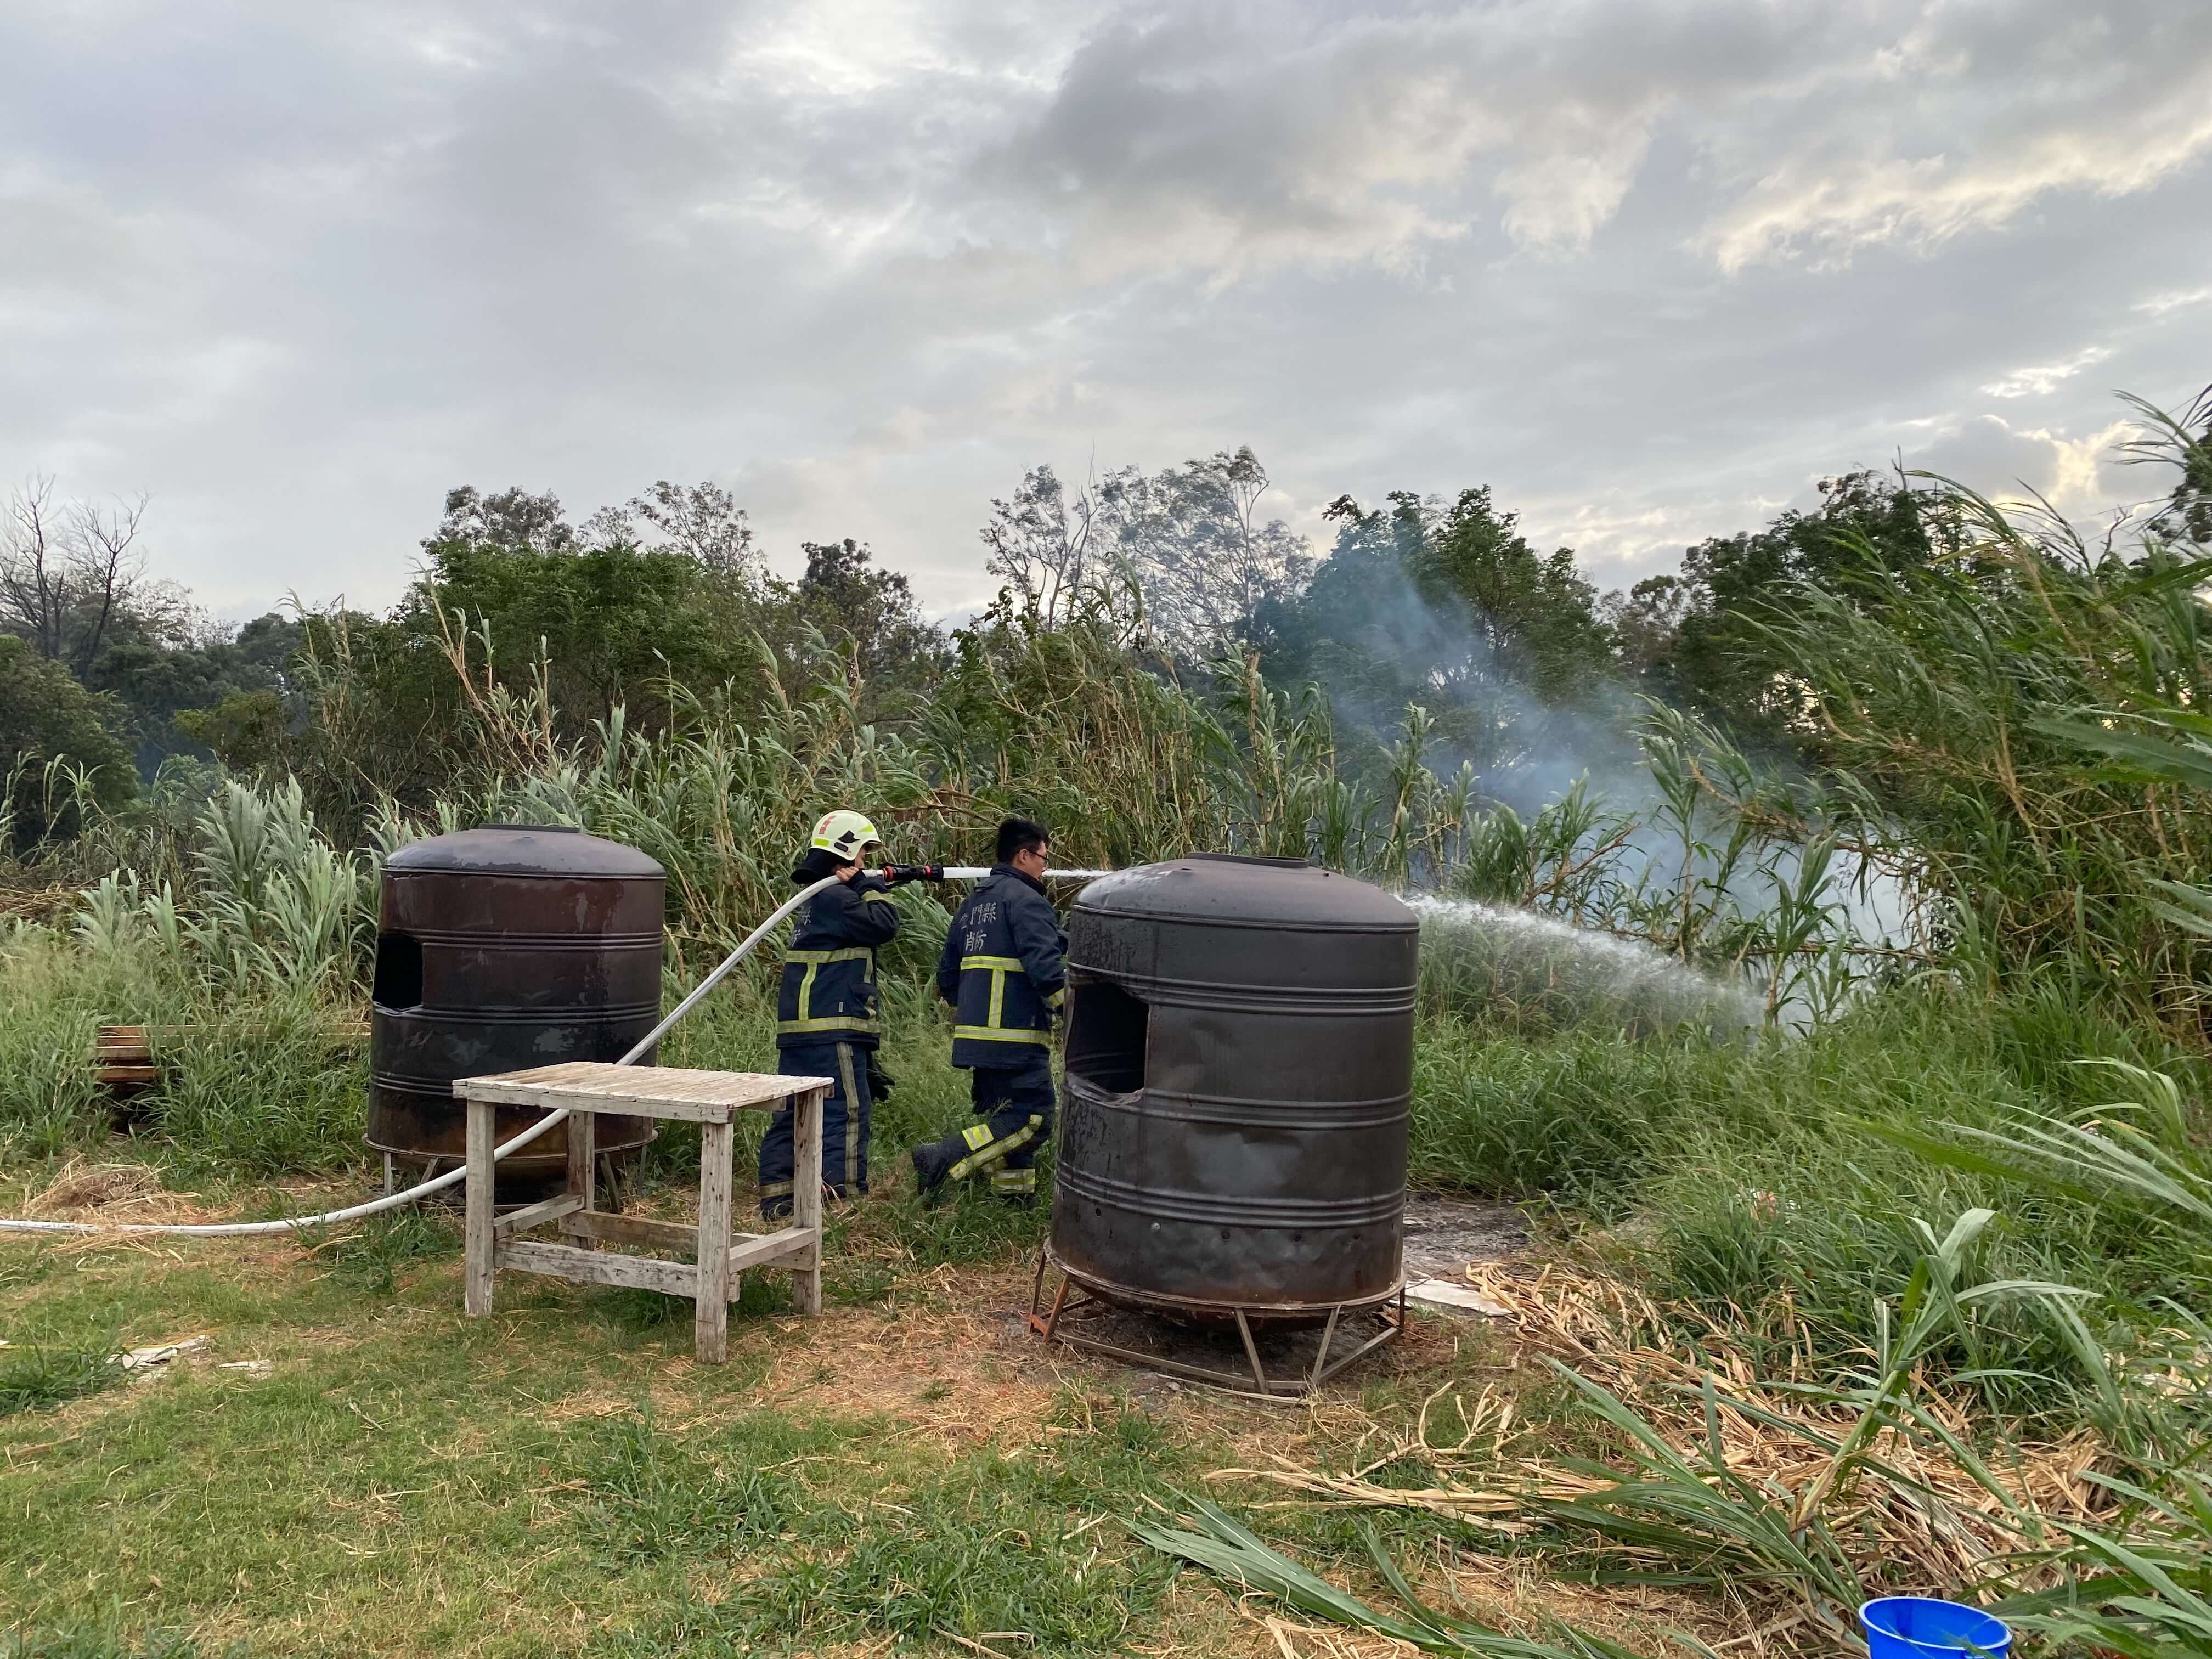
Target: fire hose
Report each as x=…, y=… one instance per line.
x=898, y=873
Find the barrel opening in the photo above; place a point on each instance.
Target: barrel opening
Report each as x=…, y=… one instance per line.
x=398, y=982
x=1106, y=1036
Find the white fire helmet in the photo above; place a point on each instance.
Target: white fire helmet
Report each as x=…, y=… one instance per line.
x=846, y=834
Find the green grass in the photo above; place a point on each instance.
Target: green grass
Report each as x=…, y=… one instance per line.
x=256, y=1084
x=1581, y=1118
x=374, y=1254
x=975, y=1543
x=37, y=1379
x=56, y=997
x=1742, y=1179
x=437, y=1482
x=97, y=1642
x=654, y=1496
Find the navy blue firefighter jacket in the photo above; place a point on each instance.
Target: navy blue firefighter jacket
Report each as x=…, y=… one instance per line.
x=1004, y=971
x=829, y=990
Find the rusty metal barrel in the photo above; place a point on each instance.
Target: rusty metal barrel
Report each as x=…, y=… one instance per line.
x=497, y=949
x=1240, y=1057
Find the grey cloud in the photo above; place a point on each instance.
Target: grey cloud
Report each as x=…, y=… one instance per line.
x=297, y=270
x=1195, y=137
x=2083, y=475
x=1968, y=117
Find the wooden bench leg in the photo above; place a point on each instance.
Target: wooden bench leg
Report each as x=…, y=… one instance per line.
x=477, y=1274
x=806, y=1193
x=711, y=1328
x=583, y=1170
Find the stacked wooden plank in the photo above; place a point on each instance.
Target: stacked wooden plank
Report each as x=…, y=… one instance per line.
x=123, y=1060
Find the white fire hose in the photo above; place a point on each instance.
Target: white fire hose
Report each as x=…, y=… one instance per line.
x=451, y=1178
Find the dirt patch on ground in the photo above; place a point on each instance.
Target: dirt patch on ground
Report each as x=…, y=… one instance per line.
x=1444, y=1236
x=1284, y=1355
x=951, y=1357
x=955, y=1372
x=957, y=1364
x=1203, y=1619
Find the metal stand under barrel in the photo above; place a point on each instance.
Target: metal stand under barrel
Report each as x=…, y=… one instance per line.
x=1074, y=1301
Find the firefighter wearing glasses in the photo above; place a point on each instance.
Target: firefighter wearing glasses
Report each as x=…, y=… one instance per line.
x=1003, y=970
x=826, y=1020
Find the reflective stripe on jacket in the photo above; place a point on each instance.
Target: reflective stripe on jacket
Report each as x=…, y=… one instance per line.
x=829, y=989
x=1003, y=971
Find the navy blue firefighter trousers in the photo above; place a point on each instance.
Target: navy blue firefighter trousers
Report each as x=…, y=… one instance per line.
x=1015, y=1104
x=844, y=1125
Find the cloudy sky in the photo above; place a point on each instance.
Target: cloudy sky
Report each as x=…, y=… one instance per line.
x=1648, y=267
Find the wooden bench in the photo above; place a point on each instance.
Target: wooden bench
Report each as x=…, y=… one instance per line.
x=709, y=1099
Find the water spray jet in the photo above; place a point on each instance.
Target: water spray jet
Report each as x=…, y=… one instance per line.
x=1497, y=955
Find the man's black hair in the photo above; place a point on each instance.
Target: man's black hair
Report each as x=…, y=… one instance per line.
x=1019, y=835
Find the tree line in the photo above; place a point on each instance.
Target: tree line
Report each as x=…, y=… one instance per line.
x=1441, y=602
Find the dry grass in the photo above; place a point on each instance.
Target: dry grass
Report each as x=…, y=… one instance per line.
x=45, y=905
x=1925, y=1504
x=102, y=1188
x=119, y=1195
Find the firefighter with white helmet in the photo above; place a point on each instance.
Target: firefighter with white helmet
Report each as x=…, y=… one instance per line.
x=827, y=1024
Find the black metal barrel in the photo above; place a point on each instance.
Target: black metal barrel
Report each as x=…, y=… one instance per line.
x=501, y=948
x=1240, y=1060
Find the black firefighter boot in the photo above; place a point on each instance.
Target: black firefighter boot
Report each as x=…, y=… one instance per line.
x=933, y=1161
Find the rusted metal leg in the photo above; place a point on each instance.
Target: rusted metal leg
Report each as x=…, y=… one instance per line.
x=1044, y=1328
x=1320, y=1358
x=1392, y=1326
x=1365, y=1348
x=1252, y=1352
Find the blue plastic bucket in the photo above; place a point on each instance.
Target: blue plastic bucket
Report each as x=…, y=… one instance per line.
x=1921, y=1627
